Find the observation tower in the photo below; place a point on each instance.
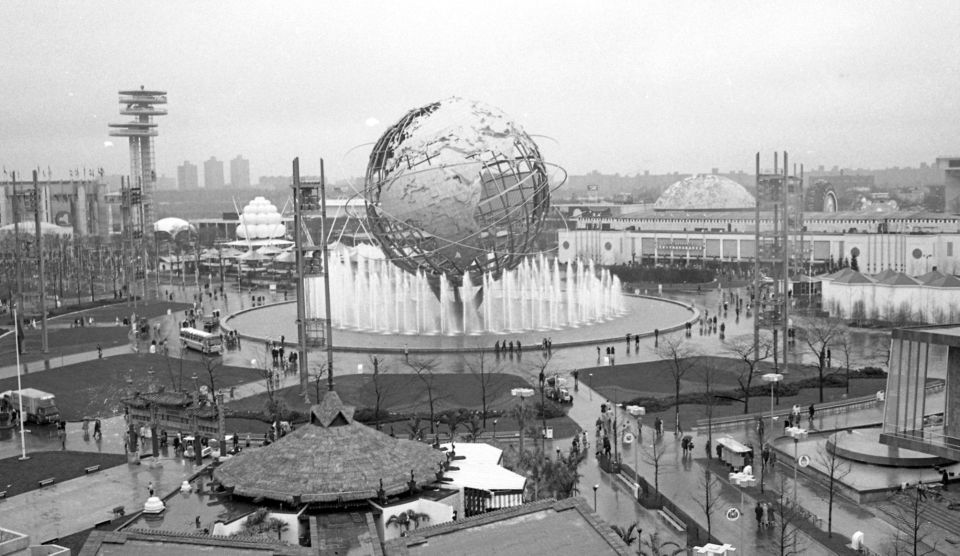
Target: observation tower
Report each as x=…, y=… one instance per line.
x=143, y=105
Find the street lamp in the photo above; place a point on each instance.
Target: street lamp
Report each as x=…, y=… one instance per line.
x=494, y=429
x=772, y=378
x=595, y=487
x=591, y=386
x=521, y=393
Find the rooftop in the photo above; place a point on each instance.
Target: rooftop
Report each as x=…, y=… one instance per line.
x=331, y=459
x=558, y=528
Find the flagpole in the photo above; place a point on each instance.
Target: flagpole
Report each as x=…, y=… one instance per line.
x=16, y=335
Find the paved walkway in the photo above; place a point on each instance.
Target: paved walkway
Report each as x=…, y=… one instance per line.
x=46, y=515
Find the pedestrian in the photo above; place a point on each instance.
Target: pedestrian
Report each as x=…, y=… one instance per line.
x=760, y=428
x=758, y=511
x=99, y=352
x=576, y=380
x=96, y=429
x=812, y=410
x=598, y=353
x=406, y=353
x=150, y=488
x=944, y=478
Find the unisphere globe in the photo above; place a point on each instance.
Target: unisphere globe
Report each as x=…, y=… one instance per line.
x=456, y=187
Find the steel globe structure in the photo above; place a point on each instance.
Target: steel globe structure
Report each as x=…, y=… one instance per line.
x=456, y=187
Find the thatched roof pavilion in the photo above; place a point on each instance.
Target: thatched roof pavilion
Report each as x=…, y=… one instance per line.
x=331, y=459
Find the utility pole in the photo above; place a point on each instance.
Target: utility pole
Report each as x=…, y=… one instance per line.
x=301, y=308
x=16, y=244
x=43, y=283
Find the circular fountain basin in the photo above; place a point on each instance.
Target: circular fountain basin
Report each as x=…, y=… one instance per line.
x=863, y=445
x=642, y=315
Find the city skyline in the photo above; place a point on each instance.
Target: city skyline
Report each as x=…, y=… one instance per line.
x=623, y=88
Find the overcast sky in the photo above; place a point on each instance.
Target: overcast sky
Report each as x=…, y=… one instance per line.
x=610, y=86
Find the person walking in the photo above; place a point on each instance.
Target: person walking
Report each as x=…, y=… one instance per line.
x=812, y=411
x=758, y=511
x=99, y=352
x=760, y=430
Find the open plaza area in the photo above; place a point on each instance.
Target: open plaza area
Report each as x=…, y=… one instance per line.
x=497, y=279
x=866, y=498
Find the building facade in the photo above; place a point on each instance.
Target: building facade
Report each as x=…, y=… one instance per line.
x=922, y=409
x=239, y=173
x=75, y=204
x=213, y=173
x=187, y=176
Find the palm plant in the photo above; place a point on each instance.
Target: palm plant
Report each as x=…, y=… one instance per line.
x=415, y=426
x=626, y=534
x=404, y=520
x=653, y=546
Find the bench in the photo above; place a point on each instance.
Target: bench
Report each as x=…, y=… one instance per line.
x=46, y=482
x=119, y=511
x=91, y=469
x=672, y=520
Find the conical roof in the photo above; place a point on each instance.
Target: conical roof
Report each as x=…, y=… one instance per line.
x=331, y=458
x=930, y=276
x=886, y=274
x=898, y=279
x=853, y=277
x=945, y=281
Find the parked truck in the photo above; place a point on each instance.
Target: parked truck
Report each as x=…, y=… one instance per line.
x=38, y=406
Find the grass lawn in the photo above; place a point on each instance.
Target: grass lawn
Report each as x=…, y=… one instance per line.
x=95, y=388
x=145, y=309
x=62, y=341
x=690, y=413
x=22, y=476
x=405, y=393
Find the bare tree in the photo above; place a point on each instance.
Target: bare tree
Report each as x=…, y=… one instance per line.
x=742, y=348
x=652, y=455
x=485, y=376
x=912, y=523
x=836, y=468
x=710, y=485
x=786, y=535
x=379, y=388
x=678, y=353
x=424, y=369
x=817, y=333
x=709, y=402
x=844, y=342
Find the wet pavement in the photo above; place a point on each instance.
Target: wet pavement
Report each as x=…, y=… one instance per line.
x=74, y=505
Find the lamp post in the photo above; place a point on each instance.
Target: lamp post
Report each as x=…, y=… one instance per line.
x=638, y=412
x=20, y=417
x=772, y=378
x=595, y=487
x=494, y=429
x=591, y=385
x=521, y=393
x=543, y=413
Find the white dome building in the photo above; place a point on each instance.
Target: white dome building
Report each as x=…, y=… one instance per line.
x=705, y=192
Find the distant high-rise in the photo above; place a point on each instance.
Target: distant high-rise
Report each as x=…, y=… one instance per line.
x=213, y=173
x=239, y=173
x=187, y=176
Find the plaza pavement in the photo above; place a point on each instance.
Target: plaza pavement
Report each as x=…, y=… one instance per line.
x=77, y=504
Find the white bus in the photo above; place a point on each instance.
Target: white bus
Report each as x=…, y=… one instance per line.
x=201, y=341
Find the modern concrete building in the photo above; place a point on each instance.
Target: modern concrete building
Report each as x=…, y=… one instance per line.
x=239, y=173
x=922, y=410
x=187, y=176
x=213, y=173
x=950, y=166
